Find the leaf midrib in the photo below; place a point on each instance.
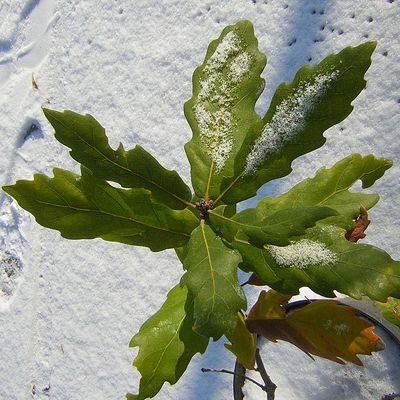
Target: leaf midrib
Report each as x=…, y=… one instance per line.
x=112, y=215
x=166, y=347
x=211, y=267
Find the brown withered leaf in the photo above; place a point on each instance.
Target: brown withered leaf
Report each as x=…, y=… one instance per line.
x=243, y=344
x=361, y=224
x=255, y=280
x=323, y=328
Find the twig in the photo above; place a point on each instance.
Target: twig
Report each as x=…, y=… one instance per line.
x=225, y=371
x=239, y=381
x=270, y=386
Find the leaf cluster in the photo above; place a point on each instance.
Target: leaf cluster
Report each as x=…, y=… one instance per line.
x=293, y=240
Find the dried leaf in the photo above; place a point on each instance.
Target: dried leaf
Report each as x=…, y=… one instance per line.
x=255, y=280
x=324, y=328
x=361, y=224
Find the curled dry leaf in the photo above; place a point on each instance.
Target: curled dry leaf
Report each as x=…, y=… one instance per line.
x=361, y=224
x=324, y=328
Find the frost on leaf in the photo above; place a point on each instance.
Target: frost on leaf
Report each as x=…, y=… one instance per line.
x=213, y=109
x=302, y=254
x=289, y=119
x=221, y=111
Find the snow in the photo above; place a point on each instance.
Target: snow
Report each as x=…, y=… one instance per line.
x=302, y=254
x=74, y=305
x=240, y=66
x=229, y=45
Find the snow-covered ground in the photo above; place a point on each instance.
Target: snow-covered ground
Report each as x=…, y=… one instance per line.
x=68, y=309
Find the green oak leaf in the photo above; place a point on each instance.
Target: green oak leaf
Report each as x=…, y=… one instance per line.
x=390, y=310
x=86, y=207
x=276, y=228
x=166, y=344
x=243, y=343
x=319, y=97
x=135, y=168
x=324, y=261
x=330, y=188
x=212, y=280
x=221, y=111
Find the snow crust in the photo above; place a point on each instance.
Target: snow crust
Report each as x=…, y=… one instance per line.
x=72, y=307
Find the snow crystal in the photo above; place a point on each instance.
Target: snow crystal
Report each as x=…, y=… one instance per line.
x=288, y=120
x=207, y=86
x=240, y=66
x=230, y=45
x=302, y=254
x=218, y=93
x=216, y=134
x=341, y=329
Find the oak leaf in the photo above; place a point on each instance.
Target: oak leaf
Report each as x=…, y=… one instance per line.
x=243, y=343
x=361, y=224
x=324, y=328
x=255, y=280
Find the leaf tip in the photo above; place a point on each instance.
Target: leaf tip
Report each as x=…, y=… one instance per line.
x=7, y=189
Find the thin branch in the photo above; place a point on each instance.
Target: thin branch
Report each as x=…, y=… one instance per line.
x=270, y=386
x=239, y=381
x=225, y=371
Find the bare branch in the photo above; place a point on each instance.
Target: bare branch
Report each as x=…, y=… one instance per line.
x=225, y=371
x=270, y=386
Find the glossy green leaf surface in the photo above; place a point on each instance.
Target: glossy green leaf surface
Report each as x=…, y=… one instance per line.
x=86, y=207
x=330, y=188
x=166, y=344
x=324, y=261
x=212, y=280
x=135, y=168
x=221, y=111
x=319, y=97
x=276, y=228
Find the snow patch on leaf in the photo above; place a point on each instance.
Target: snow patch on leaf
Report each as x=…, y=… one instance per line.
x=240, y=66
x=216, y=133
x=288, y=120
x=229, y=45
x=223, y=73
x=302, y=254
